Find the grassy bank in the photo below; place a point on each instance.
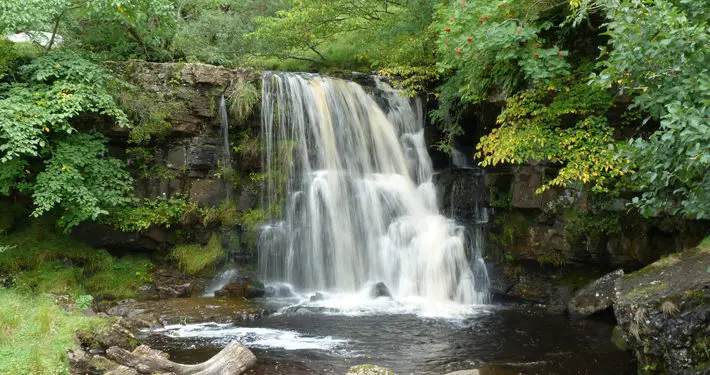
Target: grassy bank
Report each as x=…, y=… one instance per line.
x=42, y=260
x=36, y=333
x=49, y=279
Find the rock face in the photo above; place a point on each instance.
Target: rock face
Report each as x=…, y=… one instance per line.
x=595, y=297
x=185, y=157
x=664, y=313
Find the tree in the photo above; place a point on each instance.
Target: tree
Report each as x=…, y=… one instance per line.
x=658, y=52
x=43, y=152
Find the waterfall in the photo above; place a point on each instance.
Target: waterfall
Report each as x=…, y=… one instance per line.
x=224, y=124
x=350, y=194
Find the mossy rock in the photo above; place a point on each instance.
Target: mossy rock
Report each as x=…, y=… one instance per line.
x=663, y=312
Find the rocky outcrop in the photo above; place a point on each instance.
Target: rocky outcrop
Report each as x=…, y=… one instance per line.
x=595, y=297
x=664, y=313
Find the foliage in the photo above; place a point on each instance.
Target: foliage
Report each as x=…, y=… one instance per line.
x=673, y=88
x=243, y=99
x=43, y=261
x=197, y=38
x=490, y=49
x=120, y=29
x=149, y=112
x=561, y=126
x=161, y=211
x=195, y=258
x=36, y=333
x=80, y=181
x=38, y=118
x=379, y=33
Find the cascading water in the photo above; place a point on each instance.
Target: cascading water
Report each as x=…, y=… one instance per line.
x=351, y=182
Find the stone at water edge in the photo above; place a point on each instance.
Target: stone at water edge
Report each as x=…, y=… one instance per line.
x=369, y=370
x=664, y=312
x=380, y=290
x=596, y=296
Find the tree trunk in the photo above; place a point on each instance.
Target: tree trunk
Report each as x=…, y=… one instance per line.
x=234, y=359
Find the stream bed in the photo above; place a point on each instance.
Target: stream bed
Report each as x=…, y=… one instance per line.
x=313, y=338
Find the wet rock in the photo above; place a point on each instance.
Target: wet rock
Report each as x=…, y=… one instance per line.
x=380, y=290
x=233, y=290
x=369, y=370
x=278, y=291
x=525, y=184
x=598, y=296
x=201, y=157
x=208, y=192
x=664, y=312
x=191, y=310
x=465, y=372
x=103, y=337
x=317, y=297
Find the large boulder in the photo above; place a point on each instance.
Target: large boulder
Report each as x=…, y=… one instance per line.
x=597, y=296
x=380, y=290
x=664, y=313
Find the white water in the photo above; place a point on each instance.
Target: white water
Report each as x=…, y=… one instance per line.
x=351, y=196
x=220, y=281
x=253, y=337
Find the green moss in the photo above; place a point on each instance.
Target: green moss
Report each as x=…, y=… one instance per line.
x=226, y=214
x=195, y=258
x=35, y=334
x=642, y=292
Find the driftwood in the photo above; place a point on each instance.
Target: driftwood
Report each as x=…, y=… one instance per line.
x=234, y=359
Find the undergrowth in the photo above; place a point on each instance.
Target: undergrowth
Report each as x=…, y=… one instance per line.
x=195, y=258
x=36, y=333
x=42, y=261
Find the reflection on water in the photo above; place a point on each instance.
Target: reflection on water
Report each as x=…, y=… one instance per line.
x=495, y=341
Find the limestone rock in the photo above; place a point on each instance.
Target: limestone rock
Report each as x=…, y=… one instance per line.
x=369, y=370
x=664, y=312
x=598, y=296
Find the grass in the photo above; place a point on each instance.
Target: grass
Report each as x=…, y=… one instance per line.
x=44, y=261
x=195, y=258
x=35, y=334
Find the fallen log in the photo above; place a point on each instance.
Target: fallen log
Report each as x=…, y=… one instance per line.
x=234, y=359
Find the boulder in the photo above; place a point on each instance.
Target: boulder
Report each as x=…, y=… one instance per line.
x=317, y=297
x=278, y=291
x=597, y=296
x=369, y=370
x=664, y=312
x=380, y=290
x=236, y=289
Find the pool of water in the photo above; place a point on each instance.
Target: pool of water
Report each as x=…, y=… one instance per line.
x=317, y=338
